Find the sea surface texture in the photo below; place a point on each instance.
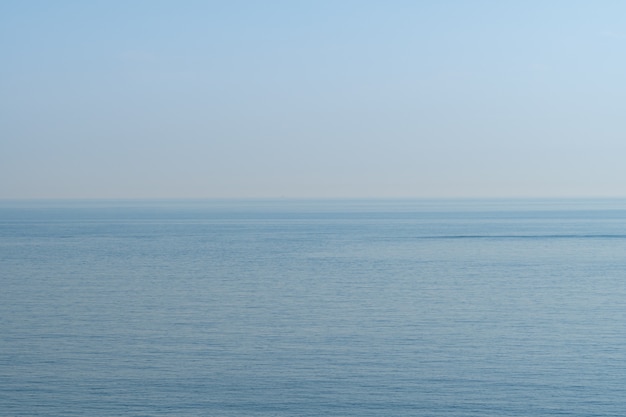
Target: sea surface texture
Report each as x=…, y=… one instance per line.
x=313, y=308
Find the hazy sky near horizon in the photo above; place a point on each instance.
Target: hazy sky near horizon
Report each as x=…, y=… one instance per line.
x=184, y=99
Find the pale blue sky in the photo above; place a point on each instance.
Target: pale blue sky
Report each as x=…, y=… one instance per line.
x=200, y=99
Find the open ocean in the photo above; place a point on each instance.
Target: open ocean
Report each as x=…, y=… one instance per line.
x=313, y=308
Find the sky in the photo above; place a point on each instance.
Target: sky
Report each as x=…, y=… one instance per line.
x=312, y=99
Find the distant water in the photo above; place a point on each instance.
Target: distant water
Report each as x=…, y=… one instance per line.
x=313, y=308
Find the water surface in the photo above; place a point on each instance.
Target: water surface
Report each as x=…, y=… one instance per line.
x=310, y=308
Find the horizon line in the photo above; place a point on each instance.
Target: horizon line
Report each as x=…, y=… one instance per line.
x=300, y=198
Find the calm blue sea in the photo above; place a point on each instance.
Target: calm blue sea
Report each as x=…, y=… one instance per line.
x=313, y=308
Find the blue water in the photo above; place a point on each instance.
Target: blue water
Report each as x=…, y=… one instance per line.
x=313, y=308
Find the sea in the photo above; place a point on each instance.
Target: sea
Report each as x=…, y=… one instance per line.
x=286, y=307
